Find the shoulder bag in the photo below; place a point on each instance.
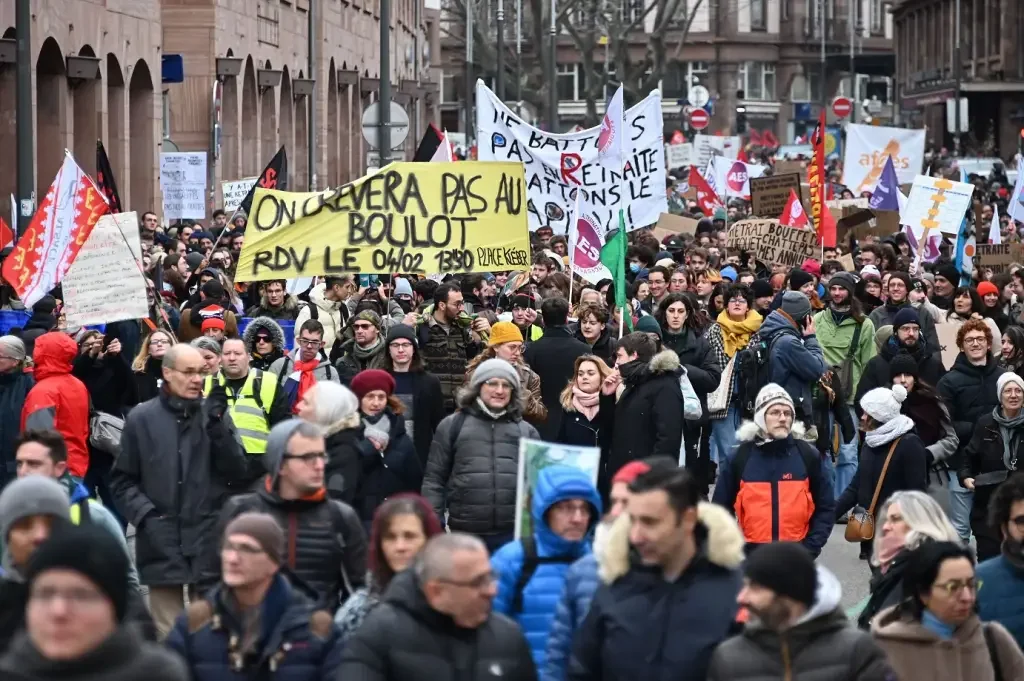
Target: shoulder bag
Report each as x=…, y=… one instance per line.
x=861, y=525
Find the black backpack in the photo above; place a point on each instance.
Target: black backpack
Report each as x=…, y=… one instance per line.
x=531, y=561
x=752, y=372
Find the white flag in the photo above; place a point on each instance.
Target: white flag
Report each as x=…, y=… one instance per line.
x=994, y=236
x=1016, y=205
x=443, y=153
x=610, y=140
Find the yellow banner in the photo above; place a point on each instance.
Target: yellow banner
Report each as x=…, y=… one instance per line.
x=407, y=218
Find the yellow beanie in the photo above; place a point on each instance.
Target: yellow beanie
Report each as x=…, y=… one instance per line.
x=505, y=332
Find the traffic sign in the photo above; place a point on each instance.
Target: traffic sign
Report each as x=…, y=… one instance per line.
x=398, y=127
x=699, y=119
x=842, y=107
x=699, y=96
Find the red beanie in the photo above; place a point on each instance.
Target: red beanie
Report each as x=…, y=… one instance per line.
x=630, y=472
x=368, y=380
x=987, y=287
x=213, y=323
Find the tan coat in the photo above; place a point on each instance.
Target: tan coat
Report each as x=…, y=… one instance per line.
x=917, y=654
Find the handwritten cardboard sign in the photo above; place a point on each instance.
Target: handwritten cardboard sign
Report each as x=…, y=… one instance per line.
x=769, y=195
x=999, y=257
x=773, y=243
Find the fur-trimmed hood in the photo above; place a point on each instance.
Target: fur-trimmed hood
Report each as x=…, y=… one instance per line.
x=268, y=324
x=751, y=432
x=665, y=362
x=723, y=546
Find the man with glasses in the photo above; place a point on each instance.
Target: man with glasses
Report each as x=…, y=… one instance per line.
x=658, y=280
x=448, y=339
x=366, y=348
x=418, y=390
x=275, y=302
x=308, y=366
x=179, y=453
x=254, y=623
x=327, y=544
x=437, y=623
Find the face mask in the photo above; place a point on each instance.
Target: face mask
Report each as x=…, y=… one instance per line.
x=634, y=267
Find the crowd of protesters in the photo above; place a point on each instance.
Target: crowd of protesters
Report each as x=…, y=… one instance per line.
x=343, y=506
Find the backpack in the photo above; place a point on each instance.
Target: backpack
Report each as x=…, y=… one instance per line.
x=752, y=373
x=812, y=462
x=531, y=561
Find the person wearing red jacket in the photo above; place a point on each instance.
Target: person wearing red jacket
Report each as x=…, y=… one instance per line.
x=59, y=401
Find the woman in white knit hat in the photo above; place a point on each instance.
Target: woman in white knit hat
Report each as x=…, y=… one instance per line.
x=890, y=443
x=995, y=452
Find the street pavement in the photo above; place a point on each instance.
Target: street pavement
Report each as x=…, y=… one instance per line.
x=840, y=556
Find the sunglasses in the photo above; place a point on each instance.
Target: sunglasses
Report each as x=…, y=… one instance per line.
x=262, y=339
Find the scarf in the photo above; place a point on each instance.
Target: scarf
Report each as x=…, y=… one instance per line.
x=363, y=354
x=889, y=431
x=1010, y=430
x=736, y=335
x=933, y=624
x=307, y=379
x=378, y=427
x=586, y=403
x=490, y=412
x=890, y=547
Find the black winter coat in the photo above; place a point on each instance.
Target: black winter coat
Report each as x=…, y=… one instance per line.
x=325, y=540
x=36, y=326
x=984, y=454
x=395, y=470
x=553, y=357
x=908, y=470
x=343, y=469
x=404, y=639
x=603, y=348
x=702, y=367
x=876, y=371
x=577, y=429
x=886, y=590
x=109, y=381
x=147, y=381
x=970, y=392
x=428, y=411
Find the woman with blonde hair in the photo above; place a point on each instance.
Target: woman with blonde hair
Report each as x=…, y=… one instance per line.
x=908, y=518
x=147, y=366
x=580, y=399
x=506, y=342
x=335, y=408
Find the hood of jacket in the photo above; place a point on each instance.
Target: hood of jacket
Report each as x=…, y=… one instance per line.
x=266, y=324
x=889, y=624
x=751, y=432
x=777, y=324
x=54, y=355
x=555, y=484
x=723, y=542
x=290, y=304
x=316, y=296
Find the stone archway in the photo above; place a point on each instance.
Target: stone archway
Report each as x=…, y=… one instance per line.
x=117, y=134
x=142, y=168
x=51, y=114
x=8, y=130
x=268, y=122
x=250, y=122
x=86, y=117
x=287, y=131
x=333, y=138
x=301, y=160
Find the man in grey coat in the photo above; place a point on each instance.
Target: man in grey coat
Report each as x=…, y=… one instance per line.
x=474, y=459
x=178, y=454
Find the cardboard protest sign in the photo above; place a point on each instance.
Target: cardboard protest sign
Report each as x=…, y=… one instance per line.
x=555, y=165
x=947, y=343
x=773, y=243
x=999, y=257
x=846, y=260
x=104, y=283
x=679, y=155
x=415, y=218
x=183, y=184
x=787, y=167
x=769, y=195
x=670, y=224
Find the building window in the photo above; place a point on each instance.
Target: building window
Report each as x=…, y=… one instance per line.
x=758, y=15
x=757, y=80
x=450, y=87
x=566, y=82
x=877, y=17
x=806, y=87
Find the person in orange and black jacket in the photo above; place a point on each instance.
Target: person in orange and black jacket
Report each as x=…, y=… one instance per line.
x=774, y=482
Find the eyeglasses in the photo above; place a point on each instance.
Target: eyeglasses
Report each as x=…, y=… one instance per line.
x=572, y=507
x=308, y=457
x=397, y=345
x=498, y=384
x=479, y=582
x=975, y=340
x=159, y=341
x=362, y=327
x=242, y=549
x=76, y=598
x=309, y=342
x=1018, y=521
x=955, y=586
x=737, y=301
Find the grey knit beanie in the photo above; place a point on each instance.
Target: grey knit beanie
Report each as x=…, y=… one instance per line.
x=32, y=495
x=494, y=368
x=13, y=347
x=796, y=305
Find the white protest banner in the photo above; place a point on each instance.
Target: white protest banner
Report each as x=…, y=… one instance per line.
x=867, y=147
x=937, y=203
x=773, y=243
x=183, y=183
x=1016, y=206
x=707, y=146
x=235, y=192
x=556, y=164
x=104, y=283
x=734, y=176
x=679, y=155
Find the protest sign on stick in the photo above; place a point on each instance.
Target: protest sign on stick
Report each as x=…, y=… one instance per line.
x=234, y=192
x=409, y=218
x=999, y=257
x=773, y=243
x=183, y=183
x=769, y=195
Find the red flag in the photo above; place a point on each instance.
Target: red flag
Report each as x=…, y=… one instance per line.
x=6, y=235
x=742, y=155
x=755, y=137
x=678, y=138
x=66, y=216
x=707, y=199
x=824, y=223
x=769, y=139
x=794, y=214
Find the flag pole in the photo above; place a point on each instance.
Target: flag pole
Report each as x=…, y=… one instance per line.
x=572, y=246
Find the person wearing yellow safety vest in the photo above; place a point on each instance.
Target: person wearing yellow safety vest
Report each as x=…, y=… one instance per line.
x=43, y=452
x=255, y=402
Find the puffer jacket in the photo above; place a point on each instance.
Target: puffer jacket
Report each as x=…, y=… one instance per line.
x=332, y=314
x=821, y=646
x=969, y=392
x=1001, y=594
x=59, y=401
x=405, y=639
x=915, y=652
x=542, y=592
x=276, y=336
x=298, y=642
x=325, y=540
x=641, y=626
x=287, y=311
x=797, y=361
x=475, y=481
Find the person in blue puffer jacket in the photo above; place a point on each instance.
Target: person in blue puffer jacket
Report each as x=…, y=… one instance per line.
x=531, y=571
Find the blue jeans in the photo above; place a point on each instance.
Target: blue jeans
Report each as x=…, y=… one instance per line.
x=723, y=435
x=829, y=469
x=846, y=461
x=960, y=502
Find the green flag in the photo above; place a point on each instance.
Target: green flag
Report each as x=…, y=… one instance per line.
x=613, y=256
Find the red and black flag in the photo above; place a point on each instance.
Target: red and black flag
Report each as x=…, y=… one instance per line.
x=429, y=145
x=274, y=176
x=105, y=179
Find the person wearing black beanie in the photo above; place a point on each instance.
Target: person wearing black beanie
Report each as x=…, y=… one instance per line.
x=786, y=594
x=763, y=294
x=947, y=278
x=798, y=280
x=75, y=621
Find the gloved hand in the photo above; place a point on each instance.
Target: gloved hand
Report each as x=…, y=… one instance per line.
x=217, y=402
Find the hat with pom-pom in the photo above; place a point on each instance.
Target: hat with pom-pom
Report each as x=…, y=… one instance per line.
x=883, y=404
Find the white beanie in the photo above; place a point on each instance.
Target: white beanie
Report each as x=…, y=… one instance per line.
x=771, y=393
x=1008, y=377
x=883, y=404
